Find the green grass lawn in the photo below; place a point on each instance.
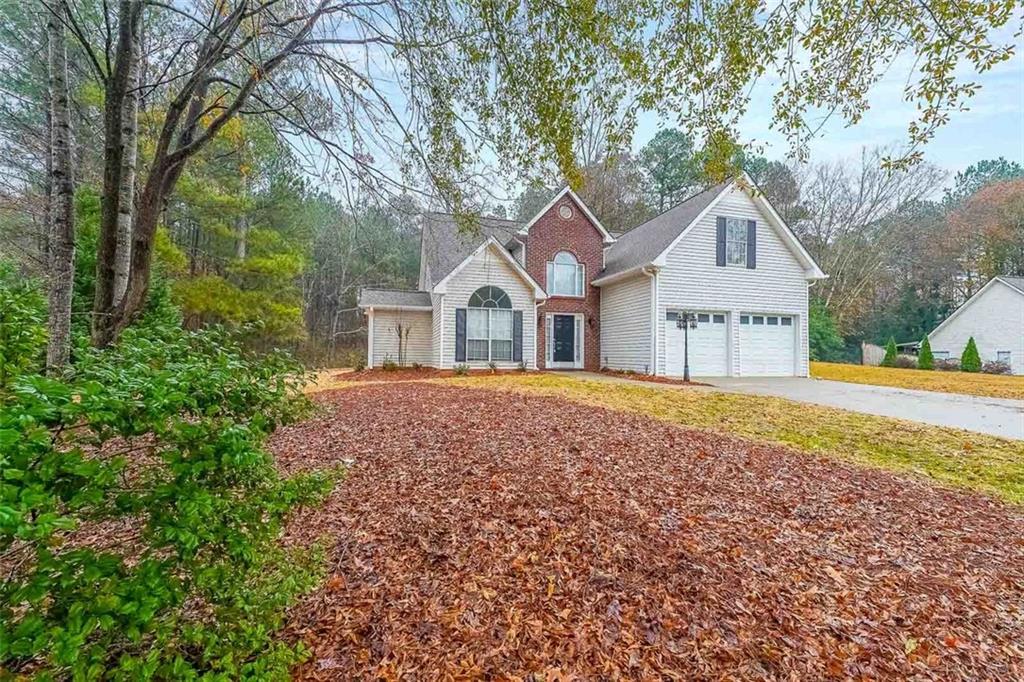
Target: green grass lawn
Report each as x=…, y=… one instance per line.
x=950, y=456
x=991, y=385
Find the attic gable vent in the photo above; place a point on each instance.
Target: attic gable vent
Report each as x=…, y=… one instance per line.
x=565, y=211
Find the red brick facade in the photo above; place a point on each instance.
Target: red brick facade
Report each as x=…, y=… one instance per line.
x=549, y=235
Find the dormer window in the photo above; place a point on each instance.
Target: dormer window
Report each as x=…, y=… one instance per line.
x=565, y=275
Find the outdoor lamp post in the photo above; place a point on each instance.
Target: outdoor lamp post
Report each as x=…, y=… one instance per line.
x=686, y=321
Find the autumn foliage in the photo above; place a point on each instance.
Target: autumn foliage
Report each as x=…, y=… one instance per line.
x=493, y=535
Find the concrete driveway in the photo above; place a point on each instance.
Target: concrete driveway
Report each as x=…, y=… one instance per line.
x=995, y=416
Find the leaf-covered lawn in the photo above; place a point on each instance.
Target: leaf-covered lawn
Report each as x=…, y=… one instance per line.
x=986, y=463
x=511, y=536
x=991, y=385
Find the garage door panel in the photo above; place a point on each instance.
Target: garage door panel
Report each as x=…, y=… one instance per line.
x=767, y=344
x=709, y=345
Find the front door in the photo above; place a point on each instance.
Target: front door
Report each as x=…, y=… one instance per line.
x=563, y=337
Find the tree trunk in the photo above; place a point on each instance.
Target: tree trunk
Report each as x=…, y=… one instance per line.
x=242, y=240
x=126, y=202
x=114, y=152
x=62, y=217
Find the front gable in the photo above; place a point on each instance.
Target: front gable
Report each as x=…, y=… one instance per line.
x=553, y=211
x=490, y=258
x=770, y=231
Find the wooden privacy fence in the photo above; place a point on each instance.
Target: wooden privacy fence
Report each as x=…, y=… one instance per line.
x=870, y=354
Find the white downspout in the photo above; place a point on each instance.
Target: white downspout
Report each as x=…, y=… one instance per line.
x=369, y=338
x=653, y=274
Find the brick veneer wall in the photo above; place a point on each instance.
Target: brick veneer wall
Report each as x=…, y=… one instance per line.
x=549, y=235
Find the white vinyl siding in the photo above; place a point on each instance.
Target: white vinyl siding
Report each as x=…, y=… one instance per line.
x=417, y=344
x=489, y=268
x=995, y=318
x=626, y=324
x=691, y=279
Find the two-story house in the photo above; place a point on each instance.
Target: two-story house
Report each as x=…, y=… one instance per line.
x=560, y=292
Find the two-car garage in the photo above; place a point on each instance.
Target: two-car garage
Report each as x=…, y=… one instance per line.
x=766, y=344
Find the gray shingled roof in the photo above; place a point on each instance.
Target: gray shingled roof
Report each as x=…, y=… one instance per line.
x=444, y=246
x=369, y=297
x=646, y=241
x=1015, y=282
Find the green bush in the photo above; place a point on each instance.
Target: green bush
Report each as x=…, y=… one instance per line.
x=925, y=359
x=140, y=516
x=22, y=326
x=890, y=354
x=826, y=344
x=461, y=370
x=970, y=361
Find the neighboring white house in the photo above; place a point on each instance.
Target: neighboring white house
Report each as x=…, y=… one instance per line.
x=559, y=290
x=994, y=317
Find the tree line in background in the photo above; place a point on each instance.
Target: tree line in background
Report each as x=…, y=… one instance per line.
x=144, y=144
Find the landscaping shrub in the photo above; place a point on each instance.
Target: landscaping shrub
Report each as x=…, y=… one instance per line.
x=996, y=367
x=904, y=362
x=388, y=365
x=461, y=370
x=948, y=365
x=925, y=359
x=890, y=354
x=970, y=361
x=140, y=516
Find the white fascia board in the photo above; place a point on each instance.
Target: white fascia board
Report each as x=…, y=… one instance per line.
x=538, y=292
x=609, y=279
x=371, y=308
x=971, y=300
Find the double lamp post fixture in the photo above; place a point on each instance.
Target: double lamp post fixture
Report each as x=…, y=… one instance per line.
x=686, y=321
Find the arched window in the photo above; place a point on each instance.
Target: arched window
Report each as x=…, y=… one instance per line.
x=565, y=275
x=489, y=325
x=489, y=297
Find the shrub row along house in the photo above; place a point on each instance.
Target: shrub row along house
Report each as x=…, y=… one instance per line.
x=994, y=317
x=560, y=291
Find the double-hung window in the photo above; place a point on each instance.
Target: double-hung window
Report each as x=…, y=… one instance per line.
x=565, y=275
x=735, y=241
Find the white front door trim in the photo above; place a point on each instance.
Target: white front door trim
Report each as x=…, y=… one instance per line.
x=578, y=341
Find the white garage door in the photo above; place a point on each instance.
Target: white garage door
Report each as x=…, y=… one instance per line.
x=767, y=345
x=709, y=346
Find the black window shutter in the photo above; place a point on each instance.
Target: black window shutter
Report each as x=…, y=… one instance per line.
x=460, y=335
x=517, y=336
x=721, y=242
x=751, y=244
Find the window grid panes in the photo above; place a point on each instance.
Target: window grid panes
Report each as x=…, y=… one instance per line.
x=565, y=275
x=1003, y=356
x=489, y=333
x=787, y=321
x=719, y=319
x=736, y=241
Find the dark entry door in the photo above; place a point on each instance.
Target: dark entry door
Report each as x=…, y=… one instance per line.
x=564, y=337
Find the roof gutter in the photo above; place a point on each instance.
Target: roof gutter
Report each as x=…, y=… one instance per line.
x=609, y=279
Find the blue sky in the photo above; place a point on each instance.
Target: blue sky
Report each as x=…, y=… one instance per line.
x=993, y=126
